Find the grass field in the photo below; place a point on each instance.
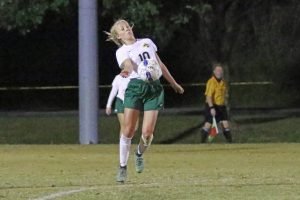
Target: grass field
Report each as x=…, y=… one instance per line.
x=56, y=128
x=217, y=171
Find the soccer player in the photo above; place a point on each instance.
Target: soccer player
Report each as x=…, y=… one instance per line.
x=118, y=89
x=215, y=104
x=140, y=95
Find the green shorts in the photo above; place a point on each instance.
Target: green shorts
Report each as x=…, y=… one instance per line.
x=119, y=106
x=144, y=96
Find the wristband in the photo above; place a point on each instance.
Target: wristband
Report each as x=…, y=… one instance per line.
x=211, y=107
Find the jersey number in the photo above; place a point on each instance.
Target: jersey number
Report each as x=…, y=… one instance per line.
x=144, y=55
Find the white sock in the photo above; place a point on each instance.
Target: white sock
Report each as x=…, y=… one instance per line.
x=125, y=144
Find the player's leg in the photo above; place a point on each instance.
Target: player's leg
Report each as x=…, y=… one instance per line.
x=137, y=124
x=149, y=122
x=205, y=131
x=226, y=131
x=151, y=108
x=121, y=122
x=207, y=125
x=153, y=101
x=132, y=104
x=224, y=118
x=119, y=109
x=130, y=119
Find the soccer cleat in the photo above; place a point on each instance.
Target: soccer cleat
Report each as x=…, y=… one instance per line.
x=139, y=163
x=122, y=174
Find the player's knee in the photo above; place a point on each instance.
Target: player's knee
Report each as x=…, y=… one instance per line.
x=147, y=140
x=207, y=126
x=147, y=131
x=205, y=130
x=129, y=131
x=225, y=124
x=122, y=128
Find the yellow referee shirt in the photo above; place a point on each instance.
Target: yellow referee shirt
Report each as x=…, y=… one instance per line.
x=216, y=90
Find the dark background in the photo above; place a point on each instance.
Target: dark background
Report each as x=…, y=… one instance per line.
x=255, y=40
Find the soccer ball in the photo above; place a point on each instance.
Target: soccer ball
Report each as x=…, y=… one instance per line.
x=149, y=70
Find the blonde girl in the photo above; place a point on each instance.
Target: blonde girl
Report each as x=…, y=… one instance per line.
x=140, y=96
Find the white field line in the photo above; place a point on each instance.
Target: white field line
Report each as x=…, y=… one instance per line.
x=62, y=193
x=202, y=183
x=69, y=192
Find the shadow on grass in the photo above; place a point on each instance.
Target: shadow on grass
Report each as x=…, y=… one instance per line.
x=190, y=131
x=184, y=134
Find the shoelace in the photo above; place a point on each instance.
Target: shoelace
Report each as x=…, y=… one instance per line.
x=123, y=172
x=139, y=160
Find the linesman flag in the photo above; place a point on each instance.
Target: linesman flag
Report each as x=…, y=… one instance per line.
x=214, y=131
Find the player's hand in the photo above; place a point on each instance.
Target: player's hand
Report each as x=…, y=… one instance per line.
x=108, y=110
x=213, y=112
x=124, y=73
x=177, y=88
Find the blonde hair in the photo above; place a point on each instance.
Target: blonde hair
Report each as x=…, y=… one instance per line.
x=112, y=35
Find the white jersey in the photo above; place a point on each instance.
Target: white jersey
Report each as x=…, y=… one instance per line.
x=142, y=49
x=119, y=86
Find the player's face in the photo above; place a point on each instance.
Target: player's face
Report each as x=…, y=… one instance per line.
x=124, y=31
x=218, y=72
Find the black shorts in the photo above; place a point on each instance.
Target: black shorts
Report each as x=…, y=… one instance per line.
x=221, y=113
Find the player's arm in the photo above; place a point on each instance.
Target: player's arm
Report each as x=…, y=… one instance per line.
x=209, y=101
x=112, y=95
x=127, y=67
x=125, y=63
x=167, y=75
x=211, y=105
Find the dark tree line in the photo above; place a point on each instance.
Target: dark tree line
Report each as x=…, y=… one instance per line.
x=255, y=40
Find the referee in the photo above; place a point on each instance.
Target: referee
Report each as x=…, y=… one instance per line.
x=215, y=93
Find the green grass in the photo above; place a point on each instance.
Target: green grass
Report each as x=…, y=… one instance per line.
x=38, y=129
x=218, y=171
x=63, y=129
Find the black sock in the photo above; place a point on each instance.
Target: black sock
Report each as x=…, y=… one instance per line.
x=138, y=155
x=227, y=135
x=204, y=134
x=123, y=167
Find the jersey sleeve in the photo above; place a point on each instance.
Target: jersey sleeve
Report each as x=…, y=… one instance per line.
x=152, y=44
x=115, y=81
x=113, y=93
x=121, y=56
x=210, y=88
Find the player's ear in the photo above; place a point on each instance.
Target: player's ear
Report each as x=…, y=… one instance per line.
x=118, y=37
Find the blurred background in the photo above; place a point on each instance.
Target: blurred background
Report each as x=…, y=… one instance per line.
x=257, y=41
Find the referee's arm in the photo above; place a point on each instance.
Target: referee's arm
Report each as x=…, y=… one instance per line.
x=211, y=105
x=209, y=101
x=208, y=94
